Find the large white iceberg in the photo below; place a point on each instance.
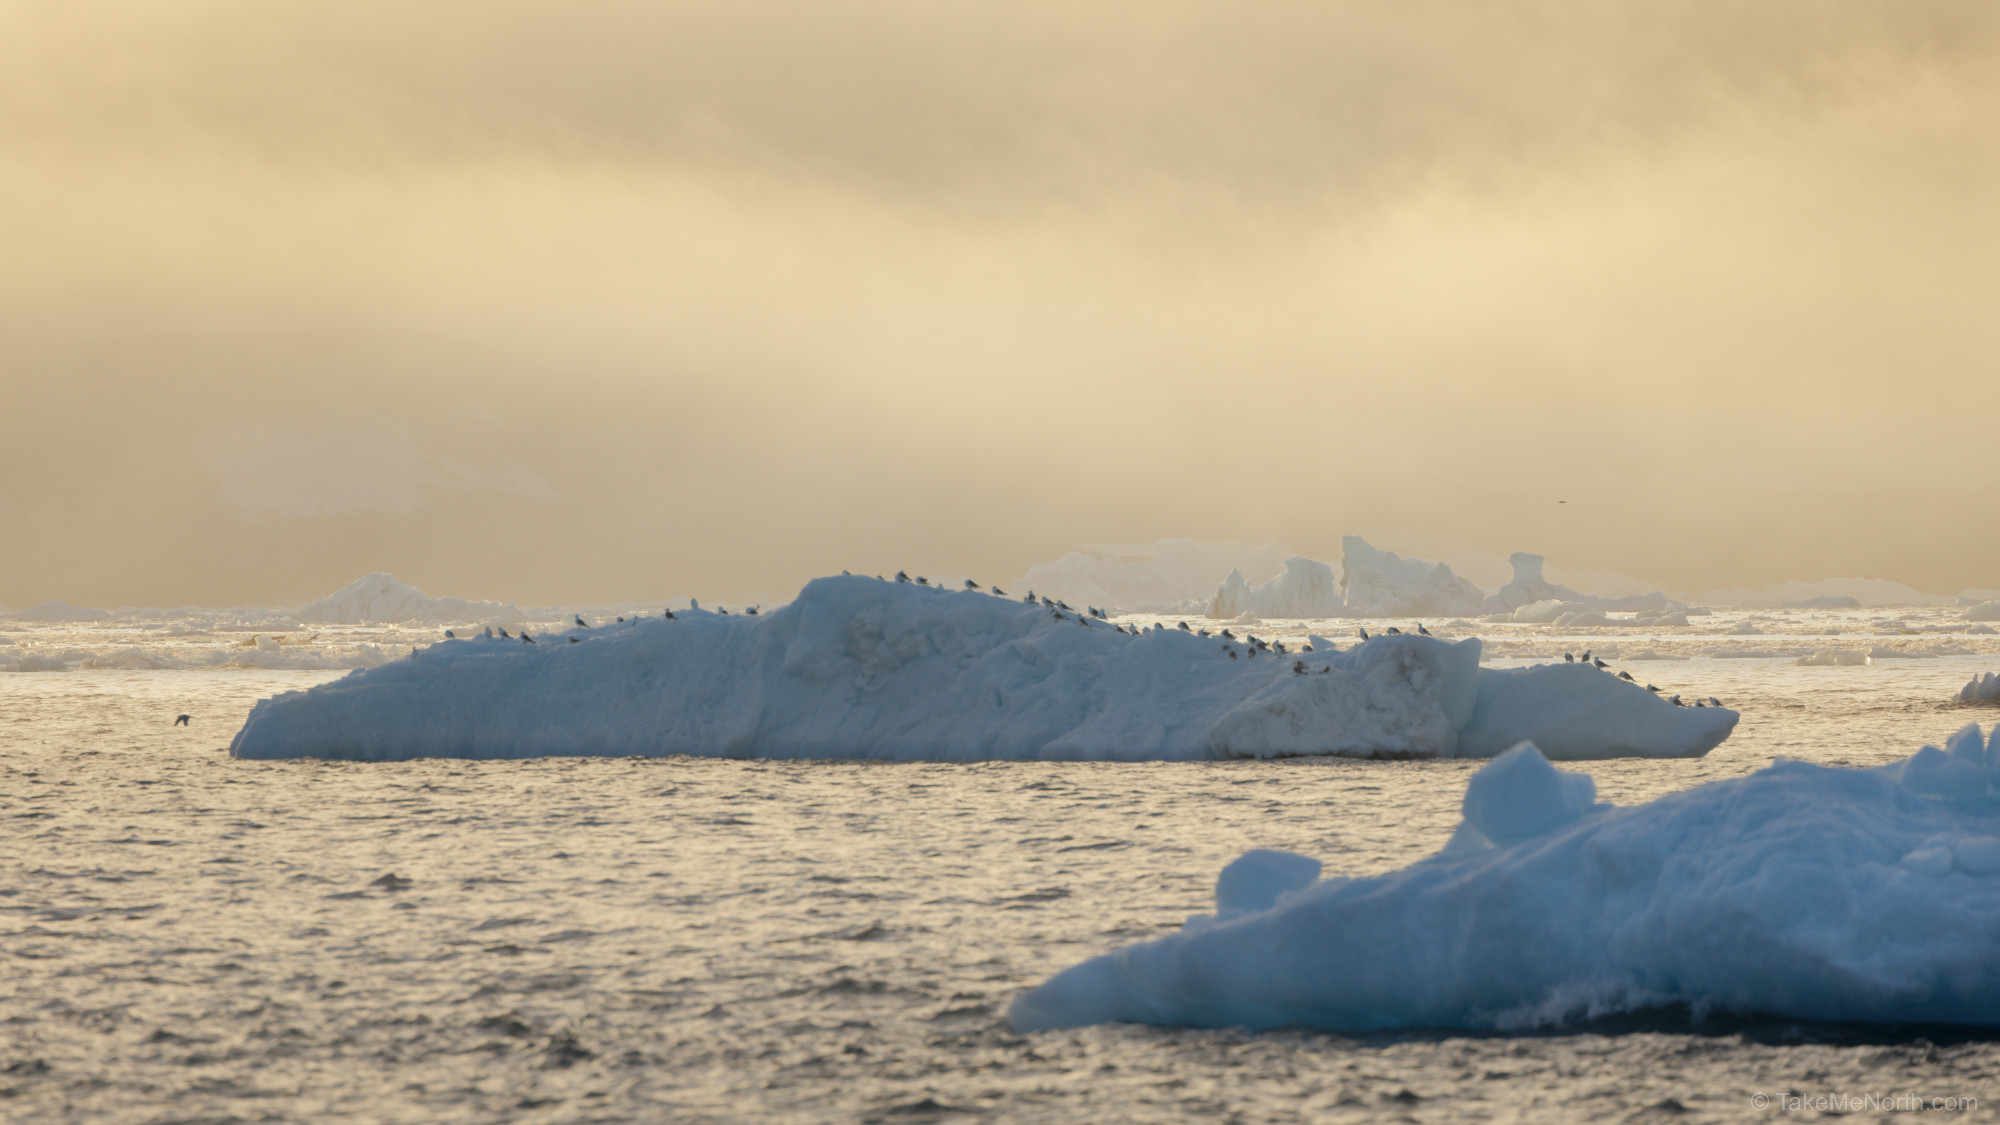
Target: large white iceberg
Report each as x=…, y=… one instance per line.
x=1174, y=572
x=379, y=597
x=1307, y=588
x=1800, y=891
x=861, y=668
x=1378, y=583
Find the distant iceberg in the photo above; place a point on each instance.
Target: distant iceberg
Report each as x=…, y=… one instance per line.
x=1800, y=891
x=60, y=611
x=380, y=598
x=1529, y=591
x=1306, y=589
x=1378, y=583
x=861, y=668
x=1173, y=573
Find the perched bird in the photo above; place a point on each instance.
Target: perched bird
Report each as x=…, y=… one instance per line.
x=1308, y=647
x=1201, y=633
x=1701, y=703
x=489, y=632
x=1252, y=652
x=668, y=614
x=922, y=581
x=844, y=574
x=1599, y=664
x=694, y=603
x=527, y=639
x=505, y=633
x=182, y=720
x=449, y=635
x=1714, y=702
x=902, y=577
x=1184, y=628
x=1083, y=621
x=1229, y=634
x=1675, y=700
x=1047, y=602
x=1061, y=604
x=1393, y=631
x=1422, y=630
x=752, y=611
x=723, y=610
x=1363, y=631
x=1325, y=668
x=621, y=621
x=998, y=592
x=1232, y=654
x=1627, y=677
x=1298, y=667
x=1585, y=657
x=1029, y=597
x=1651, y=688
x=580, y=623
x=971, y=585
x=576, y=640
x=1280, y=647
x=1569, y=658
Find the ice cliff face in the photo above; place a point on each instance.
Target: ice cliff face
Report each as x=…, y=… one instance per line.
x=1306, y=589
x=1800, y=891
x=861, y=668
x=1377, y=583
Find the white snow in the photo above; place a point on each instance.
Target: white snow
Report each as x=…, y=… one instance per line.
x=861, y=668
x=1800, y=891
x=1173, y=572
x=1306, y=589
x=379, y=597
x=1835, y=658
x=1377, y=583
x=60, y=611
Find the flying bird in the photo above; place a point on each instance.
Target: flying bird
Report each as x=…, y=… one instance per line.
x=182, y=720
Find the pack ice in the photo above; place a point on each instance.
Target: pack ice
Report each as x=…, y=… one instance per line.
x=1800, y=891
x=861, y=668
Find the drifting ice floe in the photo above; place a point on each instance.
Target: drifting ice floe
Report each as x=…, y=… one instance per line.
x=1982, y=689
x=380, y=597
x=1306, y=589
x=1378, y=583
x=860, y=668
x=1984, y=611
x=1801, y=891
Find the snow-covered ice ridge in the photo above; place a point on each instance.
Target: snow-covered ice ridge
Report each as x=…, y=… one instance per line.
x=1800, y=891
x=862, y=668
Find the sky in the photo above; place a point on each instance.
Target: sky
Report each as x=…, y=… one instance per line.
x=584, y=302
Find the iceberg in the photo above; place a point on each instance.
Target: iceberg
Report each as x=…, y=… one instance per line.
x=1799, y=891
x=857, y=667
x=1175, y=571
x=1378, y=583
x=380, y=598
x=61, y=611
x=1981, y=689
x=1984, y=611
x=1528, y=588
x=1306, y=589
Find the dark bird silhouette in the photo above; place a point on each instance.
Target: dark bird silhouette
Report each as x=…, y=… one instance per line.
x=1599, y=664
x=752, y=611
x=1675, y=700
x=1279, y=646
x=182, y=720
x=449, y=635
x=1585, y=657
x=1047, y=602
x=579, y=621
x=1627, y=677
x=1184, y=628
x=1651, y=688
x=1569, y=658
x=1393, y=631
x=971, y=585
x=922, y=581
x=527, y=639
x=1029, y=597
x=504, y=633
x=1701, y=703
x=1298, y=667
x=723, y=610
x=1363, y=630
x=844, y=574
x=1308, y=647
x=1228, y=634
x=1061, y=604
x=1232, y=654
x=1714, y=702
x=902, y=576
x=576, y=640
x=998, y=592
x=1201, y=632
x=1422, y=630
x=668, y=614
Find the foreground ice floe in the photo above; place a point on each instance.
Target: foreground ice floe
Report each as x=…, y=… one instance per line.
x=1800, y=891
x=861, y=668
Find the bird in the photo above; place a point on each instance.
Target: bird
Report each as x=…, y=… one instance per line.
x=1253, y=652
x=844, y=574
x=668, y=614
x=1675, y=700
x=1714, y=702
x=1599, y=664
x=505, y=633
x=1393, y=631
x=449, y=635
x=1280, y=646
x=1325, y=668
x=1627, y=677
x=621, y=621
x=723, y=610
x=1701, y=703
x=1585, y=657
x=1061, y=604
x=1232, y=654
x=527, y=639
x=922, y=581
x=1569, y=658
x=1029, y=597
x=1298, y=667
x=998, y=592
x=752, y=611
x=902, y=576
x=1651, y=688
x=579, y=621
x=694, y=603
x=1226, y=633
x=1201, y=633
x=1083, y=621
x=1184, y=628
x=1047, y=602
x=1308, y=647
x=182, y=720
x=489, y=632
x=576, y=640
x=1422, y=630
x=1363, y=630
x=971, y=585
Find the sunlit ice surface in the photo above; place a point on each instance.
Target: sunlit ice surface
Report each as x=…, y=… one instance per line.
x=196, y=937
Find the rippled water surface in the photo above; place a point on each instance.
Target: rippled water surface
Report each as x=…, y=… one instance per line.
x=190, y=937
